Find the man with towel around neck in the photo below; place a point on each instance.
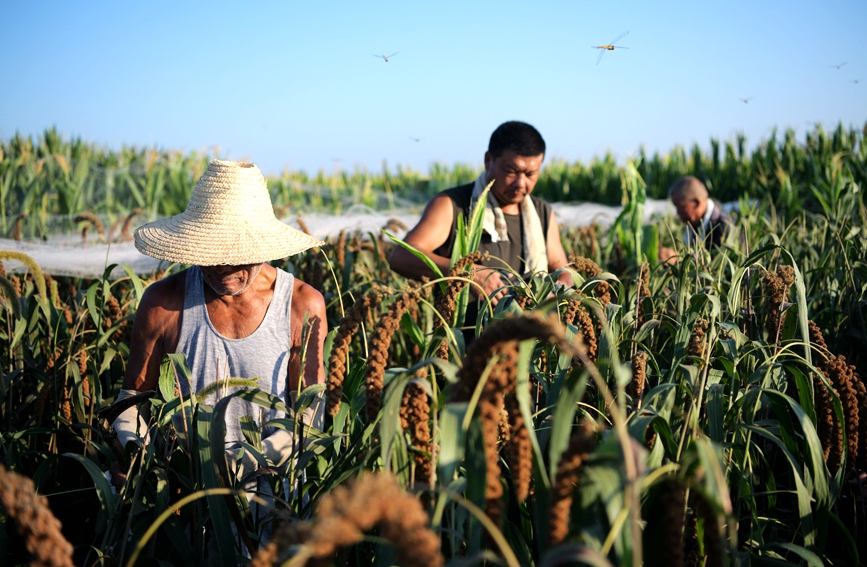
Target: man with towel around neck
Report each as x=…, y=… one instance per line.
x=231, y=313
x=520, y=230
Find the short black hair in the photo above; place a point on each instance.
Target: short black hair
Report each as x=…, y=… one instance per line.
x=518, y=137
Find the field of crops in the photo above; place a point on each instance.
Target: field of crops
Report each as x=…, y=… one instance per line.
x=709, y=412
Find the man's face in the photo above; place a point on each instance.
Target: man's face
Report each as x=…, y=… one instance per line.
x=689, y=209
x=514, y=176
x=230, y=280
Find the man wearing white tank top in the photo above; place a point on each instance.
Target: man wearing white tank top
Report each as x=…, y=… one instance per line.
x=231, y=313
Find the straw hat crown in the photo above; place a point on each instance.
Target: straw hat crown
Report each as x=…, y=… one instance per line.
x=229, y=221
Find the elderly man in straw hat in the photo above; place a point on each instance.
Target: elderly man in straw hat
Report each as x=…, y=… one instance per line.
x=231, y=313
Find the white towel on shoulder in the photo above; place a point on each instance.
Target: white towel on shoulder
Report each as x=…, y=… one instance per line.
x=533, y=247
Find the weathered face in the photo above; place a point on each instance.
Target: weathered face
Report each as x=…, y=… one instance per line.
x=230, y=280
x=514, y=176
x=689, y=210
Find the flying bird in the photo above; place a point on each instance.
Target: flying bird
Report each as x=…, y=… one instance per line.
x=415, y=139
x=610, y=46
x=838, y=66
x=855, y=81
x=385, y=56
x=745, y=100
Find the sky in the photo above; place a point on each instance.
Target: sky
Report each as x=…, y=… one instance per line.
x=298, y=85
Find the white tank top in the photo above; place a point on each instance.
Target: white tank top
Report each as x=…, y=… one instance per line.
x=263, y=355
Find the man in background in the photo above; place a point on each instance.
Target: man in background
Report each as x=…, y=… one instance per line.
x=520, y=230
x=705, y=220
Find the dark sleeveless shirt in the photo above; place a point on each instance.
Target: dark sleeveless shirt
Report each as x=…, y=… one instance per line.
x=502, y=253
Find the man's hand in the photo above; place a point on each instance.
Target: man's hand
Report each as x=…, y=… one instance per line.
x=667, y=255
x=118, y=477
x=491, y=281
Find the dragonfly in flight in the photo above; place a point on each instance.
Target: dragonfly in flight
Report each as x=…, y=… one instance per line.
x=385, y=56
x=610, y=46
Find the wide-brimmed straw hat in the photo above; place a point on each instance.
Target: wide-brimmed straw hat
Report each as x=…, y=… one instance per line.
x=229, y=221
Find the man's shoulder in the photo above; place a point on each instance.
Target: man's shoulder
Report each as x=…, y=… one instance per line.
x=305, y=297
x=543, y=208
x=460, y=195
x=169, y=288
x=539, y=201
x=162, y=304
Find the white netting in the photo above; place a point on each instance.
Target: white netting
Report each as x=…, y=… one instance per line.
x=66, y=253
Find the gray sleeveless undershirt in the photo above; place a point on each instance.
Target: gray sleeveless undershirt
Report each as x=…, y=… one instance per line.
x=263, y=355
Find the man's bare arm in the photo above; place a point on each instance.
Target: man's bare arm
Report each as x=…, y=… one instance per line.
x=154, y=333
x=307, y=303
x=431, y=232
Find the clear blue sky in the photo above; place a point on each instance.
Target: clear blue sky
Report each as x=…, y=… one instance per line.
x=295, y=83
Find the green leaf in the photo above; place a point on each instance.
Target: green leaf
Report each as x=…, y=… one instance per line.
x=715, y=413
x=564, y=416
x=389, y=423
x=172, y=526
x=420, y=255
x=103, y=488
x=91, y=305
x=452, y=440
x=477, y=220
x=211, y=432
x=136, y=283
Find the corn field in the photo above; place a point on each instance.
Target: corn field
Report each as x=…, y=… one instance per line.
x=709, y=412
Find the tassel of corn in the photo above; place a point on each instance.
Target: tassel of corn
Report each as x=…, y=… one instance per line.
x=125, y=236
x=11, y=293
x=584, y=265
x=841, y=376
x=639, y=378
x=714, y=547
x=93, y=220
x=697, y=338
x=844, y=381
x=500, y=340
x=414, y=418
x=776, y=288
x=644, y=280
x=82, y=371
x=36, y=523
x=576, y=314
x=352, y=319
x=379, y=346
x=35, y=271
x=16, y=284
x=504, y=433
x=672, y=503
x=603, y=293
x=66, y=404
x=347, y=512
x=341, y=249
x=580, y=445
x=520, y=452
x=15, y=233
x=591, y=269
x=691, y=551
x=302, y=225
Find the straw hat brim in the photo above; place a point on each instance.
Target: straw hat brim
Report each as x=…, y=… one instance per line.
x=188, y=239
